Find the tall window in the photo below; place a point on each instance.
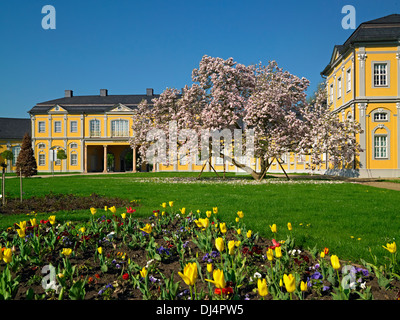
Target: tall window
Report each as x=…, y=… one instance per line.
x=339, y=87
x=120, y=128
x=331, y=93
x=380, y=147
x=74, y=159
x=41, y=126
x=57, y=126
x=74, y=126
x=15, y=151
x=380, y=74
x=94, y=128
x=42, y=159
x=348, y=79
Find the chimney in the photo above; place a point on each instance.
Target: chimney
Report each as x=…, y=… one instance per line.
x=149, y=91
x=103, y=92
x=68, y=93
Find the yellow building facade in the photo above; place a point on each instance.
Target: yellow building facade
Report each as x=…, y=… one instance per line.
x=362, y=83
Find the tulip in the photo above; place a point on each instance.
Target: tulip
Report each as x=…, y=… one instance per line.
x=204, y=222
x=189, y=274
x=113, y=209
x=209, y=267
x=93, y=210
x=273, y=228
x=262, y=287
x=289, y=226
x=219, y=244
x=164, y=205
x=83, y=229
x=239, y=231
x=100, y=250
x=237, y=219
x=215, y=210
x=391, y=247
x=183, y=210
x=198, y=223
x=7, y=255
x=130, y=210
x=240, y=214
x=22, y=225
x=335, y=262
x=208, y=213
x=303, y=286
x=326, y=250
x=52, y=219
x=21, y=233
x=322, y=254
x=231, y=247
x=171, y=204
x=249, y=234
x=147, y=228
x=143, y=272
x=278, y=252
x=105, y=208
x=270, y=254
x=219, y=279
x=289, y=281
x=33, y=222
x=66, y=251
x=123, y=215
x=222, y=227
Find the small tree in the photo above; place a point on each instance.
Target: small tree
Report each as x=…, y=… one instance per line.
x=26, y=162
x=61, y=155
x=7, y=155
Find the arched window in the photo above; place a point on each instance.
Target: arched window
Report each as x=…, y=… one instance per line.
x=94, y=127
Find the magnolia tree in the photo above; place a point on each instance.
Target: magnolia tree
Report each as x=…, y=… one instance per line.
x=238, y=112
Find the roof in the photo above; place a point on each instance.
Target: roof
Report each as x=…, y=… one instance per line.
x=92, y=103
x=14, y=128
x=385, y=29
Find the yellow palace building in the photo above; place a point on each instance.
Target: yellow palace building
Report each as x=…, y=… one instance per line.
x=363, y=83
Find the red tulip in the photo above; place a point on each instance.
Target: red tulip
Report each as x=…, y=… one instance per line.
x=130, y=210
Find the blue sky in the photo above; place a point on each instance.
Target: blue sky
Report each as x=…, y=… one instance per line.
x=128, y=46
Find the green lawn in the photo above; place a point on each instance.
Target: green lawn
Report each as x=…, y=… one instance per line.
x=322, y=215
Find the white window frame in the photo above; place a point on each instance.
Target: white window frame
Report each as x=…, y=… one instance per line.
x=57, y=127
x=380, y=116
x=381, y=146
x=42, y=159
x=73, y=126
x=331, y=93
x=74, y=159
x=348, y=80
x=41, y=126
x=120, y=128
x=380, y=74
x=339, y=87
x=15, y=150
x=94, y=128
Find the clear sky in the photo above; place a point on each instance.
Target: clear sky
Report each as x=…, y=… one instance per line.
x=128, y=46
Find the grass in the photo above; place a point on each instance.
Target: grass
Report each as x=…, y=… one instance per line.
x=347, y=218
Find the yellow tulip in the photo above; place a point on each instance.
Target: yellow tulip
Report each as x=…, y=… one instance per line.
x=219, y=244
x=33, y=222
x=335, y=262
x=273, y=228
x=93, y=210
x=171, y=204
x=123, y=215
x=189, y=274
x=204, y=222
x=280, y=283
x=22, y=225
x=290, y=282
x=215, y=210
x=278, y=252
x=322, y=254
x=239, y=231
x=222, y=227
x=164, y=204
x=183, y=210
x=105, y=208
x=219, y=279
x=83, y=229
x=391, y=247
x=52, y=219
x=113, y=209
x=237, y=219
x=249, y=234
x=143, y=272
x=270, y=254
x=21, y=233
x=209, y=267
x=289, y=226
x=7, y=255
x=240, y=214
x=262, y=287
x=208, y=213
x=100, y=250
x=303, y=286
x=231, y=247
x=66, y=251
x=147, y=228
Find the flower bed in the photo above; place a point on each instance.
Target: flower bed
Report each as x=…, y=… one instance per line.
x=177, y=255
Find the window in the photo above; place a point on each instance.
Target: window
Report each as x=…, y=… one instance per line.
x=74, y=145
x=41, y=146
x=380, y=74
x=348, y=79
x=331, y=93
x=94, y=128
x=380, y=147
x=42, y=159
x=41, y=126
x=120, y=128
x=15, y=151
x=339, y=87
x=74, y=159
x=57, y=126
x=380, y=116
x=74, y=126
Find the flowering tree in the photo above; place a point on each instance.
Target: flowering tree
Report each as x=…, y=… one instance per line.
x=228, y=100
